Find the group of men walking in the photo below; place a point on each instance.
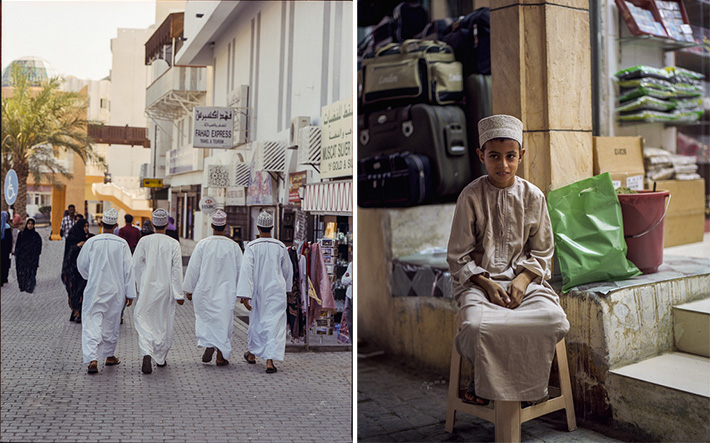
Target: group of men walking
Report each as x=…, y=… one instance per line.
x=217, y=275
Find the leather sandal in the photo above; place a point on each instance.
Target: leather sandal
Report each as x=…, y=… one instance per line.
x=207, y=356
x=246, y=357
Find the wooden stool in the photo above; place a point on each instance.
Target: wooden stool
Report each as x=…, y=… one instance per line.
x=507, y=416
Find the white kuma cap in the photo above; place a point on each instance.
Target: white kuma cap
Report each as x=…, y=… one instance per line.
x=110, y=217
x=219, y=218
x=500, y=126
x=265, y=220
x=160, y=217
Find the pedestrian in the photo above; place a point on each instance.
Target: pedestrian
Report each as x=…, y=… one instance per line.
x=211, y=283
x=27, y=251
x=67, y=221
x=158, y=267
x=130, y=233
x=5, y=246
x=71, y=277
x=147, y=228
x=105, y=262
x=172, y=230
x=263, y=278
x=16, y=225
x=499, y=254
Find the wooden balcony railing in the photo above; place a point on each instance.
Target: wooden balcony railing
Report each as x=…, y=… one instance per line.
x=119, y=135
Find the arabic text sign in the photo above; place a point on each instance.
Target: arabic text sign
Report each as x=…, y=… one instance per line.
x=152, y=182
x=214, y=128
x=337, y=139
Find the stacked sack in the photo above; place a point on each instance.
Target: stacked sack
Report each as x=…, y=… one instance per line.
x=668, y=95
x=663, y=165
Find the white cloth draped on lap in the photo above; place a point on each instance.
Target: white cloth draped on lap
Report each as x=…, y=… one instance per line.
x=499, y=233
x=211, y=278
x=265, y=270
x=158, y=266
x=105, y=262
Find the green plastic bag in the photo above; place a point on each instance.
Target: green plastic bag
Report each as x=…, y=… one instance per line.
x=589, y=232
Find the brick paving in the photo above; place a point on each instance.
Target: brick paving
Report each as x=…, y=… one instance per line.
x=399, y=403
x=48, y=396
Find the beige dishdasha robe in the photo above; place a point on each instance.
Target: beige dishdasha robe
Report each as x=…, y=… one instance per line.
x=500, y=232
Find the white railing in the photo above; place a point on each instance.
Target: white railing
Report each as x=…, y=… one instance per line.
x=177, y=78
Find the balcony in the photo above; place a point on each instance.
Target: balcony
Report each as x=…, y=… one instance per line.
x=176, y=92
x=119, y=135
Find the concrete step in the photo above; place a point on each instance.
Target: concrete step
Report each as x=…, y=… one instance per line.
x=691, y=327
x=667, y=397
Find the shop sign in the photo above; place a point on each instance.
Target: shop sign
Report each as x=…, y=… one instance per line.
x=207, y=204
x=235, y=196
x=218, y=194
x=329, y=198
x=337, y=139
x=214, y=127
x=152, y=182
x=260, y=191
x=296, y=180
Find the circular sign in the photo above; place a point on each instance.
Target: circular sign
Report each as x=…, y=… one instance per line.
x=207, y=204
x=11, y=187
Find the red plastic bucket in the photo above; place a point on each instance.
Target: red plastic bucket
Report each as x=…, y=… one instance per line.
x=643, y=215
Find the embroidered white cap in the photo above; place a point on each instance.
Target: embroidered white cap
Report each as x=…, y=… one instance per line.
x=265, y=220
x=160, y=217
x=500, y=126
x=219, y=218
x=110, y=217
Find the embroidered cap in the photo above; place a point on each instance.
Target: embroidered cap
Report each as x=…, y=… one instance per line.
x=110, y=217
x=219, y=218
x=500, y=126
x=265, y=220
x=160, y=217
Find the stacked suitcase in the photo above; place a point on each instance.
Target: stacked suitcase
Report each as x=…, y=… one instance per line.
x=417, y=114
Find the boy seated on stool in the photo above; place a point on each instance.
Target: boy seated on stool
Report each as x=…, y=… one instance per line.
x=499, y=255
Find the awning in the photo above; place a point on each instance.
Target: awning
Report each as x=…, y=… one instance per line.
x=329, y=198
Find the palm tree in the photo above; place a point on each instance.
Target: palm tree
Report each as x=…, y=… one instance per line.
x=36, y=124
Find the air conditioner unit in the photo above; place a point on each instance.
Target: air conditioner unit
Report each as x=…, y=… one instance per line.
x=217, y=176
x=296, y=124
x=271, y=156
x=309, y=145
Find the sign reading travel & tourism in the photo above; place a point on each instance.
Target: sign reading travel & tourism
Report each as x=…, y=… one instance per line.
x=214, y=127
x=11, y=186
x=337, y=139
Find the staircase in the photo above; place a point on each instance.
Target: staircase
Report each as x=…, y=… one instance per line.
x=668, y=395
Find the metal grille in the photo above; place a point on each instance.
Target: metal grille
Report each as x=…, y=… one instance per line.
x=240, y=174
x=309, y=144
x=218, y=176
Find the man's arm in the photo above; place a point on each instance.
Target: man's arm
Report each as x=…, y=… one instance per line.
x=192, y=275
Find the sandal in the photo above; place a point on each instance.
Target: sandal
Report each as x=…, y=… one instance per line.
x=114, y=361
x=471, y=392
x=246, y=357
x=222, y=362
x=271, y=370
x=93, y=367
x=207, y=356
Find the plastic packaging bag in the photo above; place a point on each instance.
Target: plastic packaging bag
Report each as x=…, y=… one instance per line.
x=589, y=232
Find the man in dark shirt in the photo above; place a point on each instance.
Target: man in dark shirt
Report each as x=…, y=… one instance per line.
x=130, y=233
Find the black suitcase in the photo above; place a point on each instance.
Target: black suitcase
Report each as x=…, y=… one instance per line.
x=470, y=37
x=401, y=179
x=437, y=132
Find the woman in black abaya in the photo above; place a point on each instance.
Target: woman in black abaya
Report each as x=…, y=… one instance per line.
x=70, y=274
x=27, y=251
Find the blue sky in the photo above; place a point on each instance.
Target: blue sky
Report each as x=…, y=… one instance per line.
x=73, y=36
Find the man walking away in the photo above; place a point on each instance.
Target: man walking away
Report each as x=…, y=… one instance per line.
x=266, y=269
x=130, y=233
x=105, y=262
x=211, y=278
x=158, y=265
x=68, y=222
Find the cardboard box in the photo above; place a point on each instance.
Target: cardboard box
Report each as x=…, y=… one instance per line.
x=622, y=158
x=685, y=220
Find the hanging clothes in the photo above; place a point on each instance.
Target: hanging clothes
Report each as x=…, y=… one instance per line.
x=321, y=281
x=294, y=315
x=27, y=251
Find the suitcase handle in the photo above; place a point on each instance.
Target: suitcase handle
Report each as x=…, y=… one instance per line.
x=404, y=46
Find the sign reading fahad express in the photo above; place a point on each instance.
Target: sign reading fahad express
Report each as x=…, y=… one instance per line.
x=337, y=139
x=214, y=128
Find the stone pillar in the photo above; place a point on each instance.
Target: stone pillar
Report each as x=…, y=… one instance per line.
x=541, y=73
x=59, y=194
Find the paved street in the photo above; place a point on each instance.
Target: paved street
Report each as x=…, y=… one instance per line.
x=48, y=396
x=398, y=403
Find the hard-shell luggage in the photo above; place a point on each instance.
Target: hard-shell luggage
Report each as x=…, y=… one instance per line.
x=478, y=103
x=411, y=72
x=400, y=179
x=470, y=38
x=438, y=132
